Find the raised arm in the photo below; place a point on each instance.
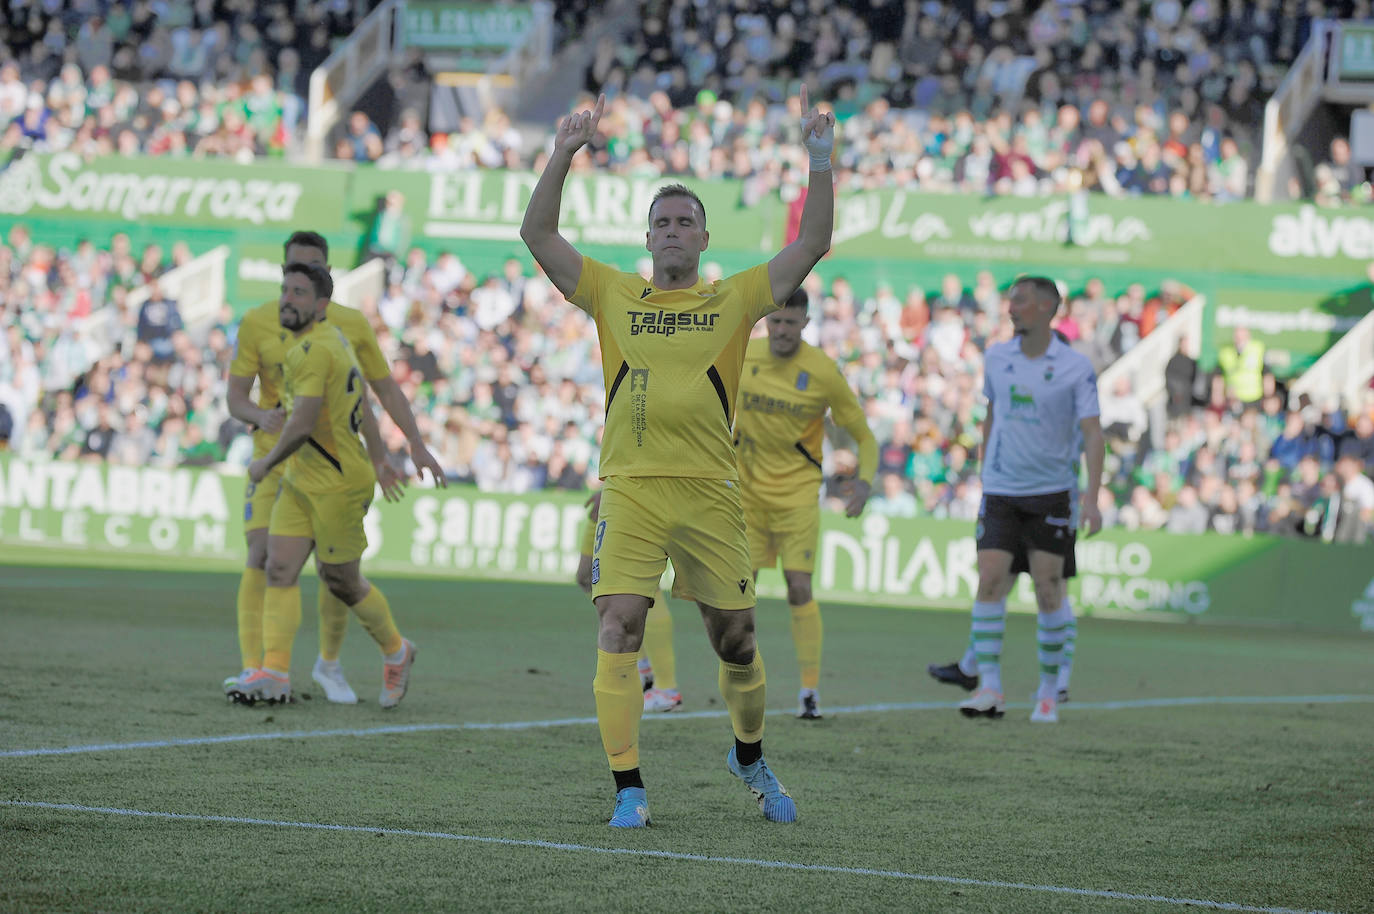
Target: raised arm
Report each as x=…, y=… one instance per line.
x=539, y=230
x=792, y=264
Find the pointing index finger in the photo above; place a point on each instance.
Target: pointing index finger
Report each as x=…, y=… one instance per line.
x=600, y=107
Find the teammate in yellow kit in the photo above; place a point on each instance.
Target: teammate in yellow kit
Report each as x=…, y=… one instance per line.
x=657, y=659
x=672, y=350
x=786, y=389
x=261, y=347
x=326, y=489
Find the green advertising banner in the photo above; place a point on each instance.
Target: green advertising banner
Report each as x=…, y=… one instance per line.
x=172, y=193
x=446, y=209
x=1296, y=327
x=453, y=24
x=90, y=512
x=1162, y=236
x=1356, y=58
x=1121, y=573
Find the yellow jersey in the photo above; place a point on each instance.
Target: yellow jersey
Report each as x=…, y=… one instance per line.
x=781, y=423
x=333, y=459
x=672, y=362
x=263, y=343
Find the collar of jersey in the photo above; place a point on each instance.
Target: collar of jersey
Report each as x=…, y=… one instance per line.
x=695, y=291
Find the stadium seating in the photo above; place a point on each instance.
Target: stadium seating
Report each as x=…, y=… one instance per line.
x=1025, y=99
x=508, y=389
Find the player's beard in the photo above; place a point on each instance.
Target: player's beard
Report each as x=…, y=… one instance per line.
x=298, y=320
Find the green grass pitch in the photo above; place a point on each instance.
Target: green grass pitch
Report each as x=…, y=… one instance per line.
x=1262, y=806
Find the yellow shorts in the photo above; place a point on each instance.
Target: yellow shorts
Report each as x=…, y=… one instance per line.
x=698, y=523
x=791, y=533
x=588, y=537
x=258, y=498
x=334, y=521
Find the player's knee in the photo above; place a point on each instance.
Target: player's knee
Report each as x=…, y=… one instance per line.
x=992, y=587
x=257, y=553
x=734, y=643
x=344, y=583
x=280, y=572
x=1049, y=593
x=798, y=589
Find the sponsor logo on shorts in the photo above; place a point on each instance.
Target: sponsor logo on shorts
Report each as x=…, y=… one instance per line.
x=596, y=571
x=743, y=583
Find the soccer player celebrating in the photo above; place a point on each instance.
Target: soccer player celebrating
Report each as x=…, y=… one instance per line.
x=1041, y=396
x=261, y=348
x=325, y=491
x=785, y=391
x=673, y=349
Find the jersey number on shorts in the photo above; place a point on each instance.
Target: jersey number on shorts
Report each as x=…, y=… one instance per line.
x=354, y=385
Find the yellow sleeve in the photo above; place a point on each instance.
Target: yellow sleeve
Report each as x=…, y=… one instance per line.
x=365, y=346
x=849, y=415
x=246, y=360
x=309, y=368
x=756, y=290
x=596, y=278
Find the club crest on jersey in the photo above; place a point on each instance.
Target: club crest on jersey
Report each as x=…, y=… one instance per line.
x=1049, y=373
x=803, y=379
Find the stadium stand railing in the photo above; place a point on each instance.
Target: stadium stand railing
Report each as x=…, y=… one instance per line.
x=1344, y=369
x=366, y=281
x=347, y=72
x=199, y=287
x=1287, y=111
x=1144, y=362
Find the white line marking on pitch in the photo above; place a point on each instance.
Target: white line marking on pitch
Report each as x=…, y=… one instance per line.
x=1134, y=704
x=672, y=855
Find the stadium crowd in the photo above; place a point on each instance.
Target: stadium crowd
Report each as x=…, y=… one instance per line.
x=1018, y=98
x=507, y=385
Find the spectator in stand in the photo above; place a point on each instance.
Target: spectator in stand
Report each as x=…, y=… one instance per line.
x=1359, y=442
x=1343, y=172
x=1355, y=518
x=1180, y=381
x=894, y=499
x=1242, y=366
x=1294, y=444
x=159, y=319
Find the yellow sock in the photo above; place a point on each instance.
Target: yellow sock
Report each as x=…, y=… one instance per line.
x=333, y=623
x=375, y=613
x=619, y=705
x=251, y=587
x=281, y=616
x=743, y=690
x=658, y=641
x=806, y=635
